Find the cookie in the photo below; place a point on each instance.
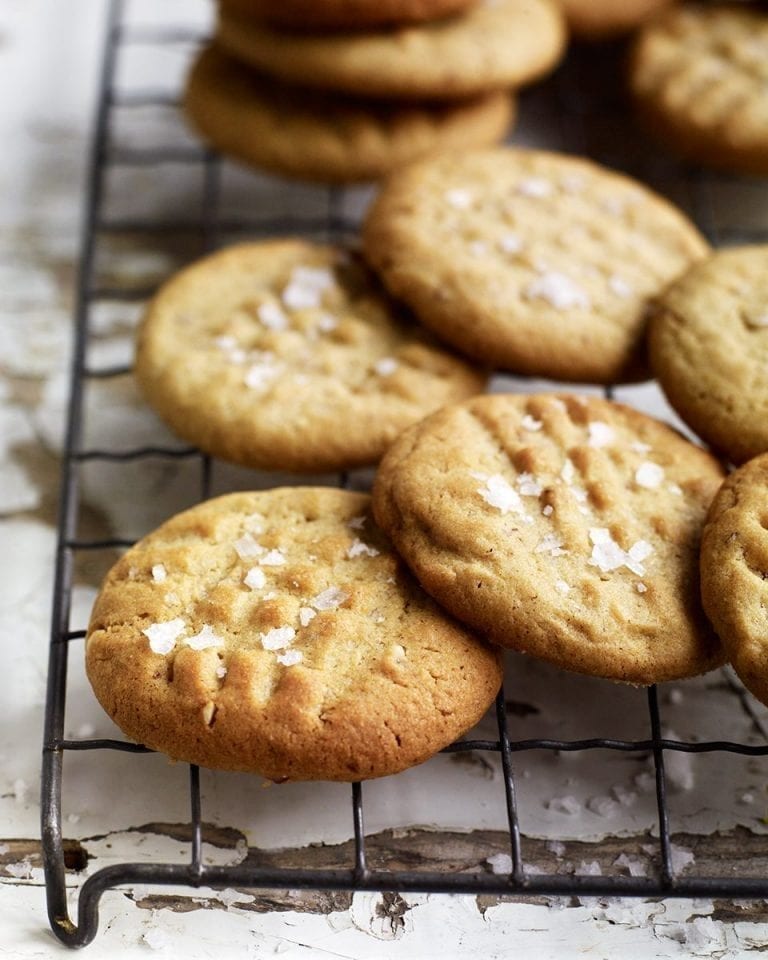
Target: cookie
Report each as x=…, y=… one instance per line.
x=314, y=136
x=709, y=347
x=734, y=572
x=537, y=262
x=699, y=75
x=505, y=44
x=287, y=355
x=278, y=633
x=344, y=14
x=600, y=19
x=562, y=526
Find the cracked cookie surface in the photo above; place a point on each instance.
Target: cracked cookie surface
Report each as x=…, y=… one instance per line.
x=288, y=355
x=709, y=348
x=699, y=74
x=278, y=632
x=734, y=572
x=329, y=138
x=492, y=47
x=536, y=262
x=563, y=526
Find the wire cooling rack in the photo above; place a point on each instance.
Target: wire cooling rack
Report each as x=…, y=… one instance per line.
x=583, y=105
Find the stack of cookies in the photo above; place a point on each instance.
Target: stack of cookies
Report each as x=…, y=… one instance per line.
x=347, y=90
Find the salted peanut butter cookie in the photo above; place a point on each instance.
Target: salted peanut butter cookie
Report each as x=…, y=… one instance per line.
x=709, y=348
x=537, y=262
x=315, y=136
x=699, y=75
x=287, y=355
x=734, y=572
x=278, y=633
x=504, y=44
x=600, y=19
x=344, y=14
x=562, y=526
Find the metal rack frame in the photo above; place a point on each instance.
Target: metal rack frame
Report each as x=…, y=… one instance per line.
x=359, y=875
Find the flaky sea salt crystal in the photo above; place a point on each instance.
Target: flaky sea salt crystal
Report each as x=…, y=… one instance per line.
x=510, y=243
x=625, y=797
x=326, y=322
x=498, y=493
x=329, y=599
x=205, y=639
x=21, y=870
x=534, y=187
x=163, y=636
x=159, y=573
x=649, y=475
x=548, y=510
x=641, y=587
x=562, y=587
x=386, y=366
x=260, y=375
x=500, y=863
x=478, y=248
x=639, y=447
x=590, y=868
x=678, y=767
x=747, y=798
x=306, y=287
x=272, y=316
x=247, y=546
x=278, y=638
x=306, y=614
x=531, y=423
x=558, y=290
x=272, y=559
x=557, y=847
x=360, y=549
x=226, y=343
x=645, y=781
x=600, y=434
x=608, y=555
x=290, y=658
x=528, y=485
x=551, y=544
x=255, y=579
x=459, y=199
x=357, y=523
x=157, y=939
x=702, y=933
x=567, y=804
x=619, y=286
x=568, y=472
x=221, y=671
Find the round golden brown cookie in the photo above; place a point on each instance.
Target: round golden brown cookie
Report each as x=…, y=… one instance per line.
x=499, y=45
x=709, y=347
x=344, y=14
x=277, y=633
x=287, y=355
x=315, y=136
x=562, y=526
x=734, y=572
x=537, y=262
x=699, y=74
x=600, y=19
